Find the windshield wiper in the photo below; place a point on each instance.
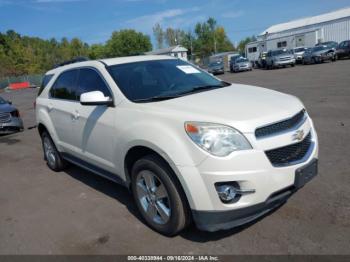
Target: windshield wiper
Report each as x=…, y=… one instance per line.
x=201, y=88
x=155, y=98
x=176, y=95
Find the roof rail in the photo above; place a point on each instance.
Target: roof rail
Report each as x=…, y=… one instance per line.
x=72, y=61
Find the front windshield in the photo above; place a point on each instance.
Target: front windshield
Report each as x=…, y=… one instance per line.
x=2, y=101
x=215, y=63
x=319, y=48
x=280, y=52
x=242, y=60
x=297, y=50
x=160, y=78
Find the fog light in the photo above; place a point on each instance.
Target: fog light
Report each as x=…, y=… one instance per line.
x=231, y=192
x=227, y=193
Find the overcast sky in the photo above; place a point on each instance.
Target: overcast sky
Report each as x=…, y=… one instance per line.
x=94, y=20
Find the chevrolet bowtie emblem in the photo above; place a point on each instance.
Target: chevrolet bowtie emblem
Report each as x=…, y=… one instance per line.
x=298, y=135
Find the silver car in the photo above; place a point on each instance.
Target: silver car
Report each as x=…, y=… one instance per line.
x=242, y=64
x=10, y=120
x=216, y=68
x=279, y=58
x=299, y=54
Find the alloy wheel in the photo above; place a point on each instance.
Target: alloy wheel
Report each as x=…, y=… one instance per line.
x=153, y=197
x=49, y=152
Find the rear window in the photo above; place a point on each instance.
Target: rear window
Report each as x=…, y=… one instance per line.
x=65, y=86
x=44, y=83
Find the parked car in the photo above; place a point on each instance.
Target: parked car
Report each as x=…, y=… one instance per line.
x=330, y=44
x=242, y=64
x=232, y=61
x=279, y=58
x=343, y=50
x=189, y=146
x=299, y=53
x=319, y=54
x=10, y=120
x=262, y=60
x=216, y=68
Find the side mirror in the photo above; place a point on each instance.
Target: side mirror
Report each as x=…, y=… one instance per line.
x=95, y=98
x=9, y=102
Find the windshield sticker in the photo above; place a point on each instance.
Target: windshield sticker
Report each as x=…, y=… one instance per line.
x=188, y=69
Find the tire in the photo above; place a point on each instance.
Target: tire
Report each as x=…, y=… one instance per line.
x=167, y=211
x=292, y=65
x=52, y=157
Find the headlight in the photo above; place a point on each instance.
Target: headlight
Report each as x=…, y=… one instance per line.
x=218, y=140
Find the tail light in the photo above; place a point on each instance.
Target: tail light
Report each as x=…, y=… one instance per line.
x=15, y=113
x=34, y=105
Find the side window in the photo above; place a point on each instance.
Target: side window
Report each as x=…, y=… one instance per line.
x=65, y=86
x=282, y=44
x=44, y=82
x=90, y=80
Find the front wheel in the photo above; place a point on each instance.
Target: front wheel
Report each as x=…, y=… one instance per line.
x=159, y=196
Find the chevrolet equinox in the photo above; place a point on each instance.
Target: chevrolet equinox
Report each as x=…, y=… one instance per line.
x=189, y=146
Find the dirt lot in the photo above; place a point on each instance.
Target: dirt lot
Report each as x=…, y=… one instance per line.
x=75, y=212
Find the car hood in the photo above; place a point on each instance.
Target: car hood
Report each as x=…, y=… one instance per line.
x=216, y=67
x=283, y=57
x=320, y=52
x=242, y=63
x=240, y=106
x=6, y=108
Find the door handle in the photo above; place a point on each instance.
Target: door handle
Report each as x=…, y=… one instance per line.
x=75, y=115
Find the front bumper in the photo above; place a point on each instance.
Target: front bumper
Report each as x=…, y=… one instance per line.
x=251, y=170
x=283, y=63
x=15, y=125
x=213, y=221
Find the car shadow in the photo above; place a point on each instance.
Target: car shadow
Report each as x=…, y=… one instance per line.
x=105, y=186
x=8, y=139
x=123, y=195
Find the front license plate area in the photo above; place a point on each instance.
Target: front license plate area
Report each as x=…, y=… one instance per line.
x=304, y=174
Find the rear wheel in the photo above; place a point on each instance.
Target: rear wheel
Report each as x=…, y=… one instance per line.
x=158, y=196
x=52, y=156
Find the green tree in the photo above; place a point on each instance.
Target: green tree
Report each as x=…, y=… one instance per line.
x=159, y=35
x=127, y=42
x=242, y=44
x=97, y=51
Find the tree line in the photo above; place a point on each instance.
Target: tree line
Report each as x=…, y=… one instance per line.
x=24, y=55
x=205, y=39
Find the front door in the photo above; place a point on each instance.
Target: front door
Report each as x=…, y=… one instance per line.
x=94, y=126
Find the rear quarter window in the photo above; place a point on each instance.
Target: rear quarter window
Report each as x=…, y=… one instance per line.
x=44, y=83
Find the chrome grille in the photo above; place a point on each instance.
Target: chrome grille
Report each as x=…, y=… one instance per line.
x=5, y=117
x=291, y=154
x=281, y=126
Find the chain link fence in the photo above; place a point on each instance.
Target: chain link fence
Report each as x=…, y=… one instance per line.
x=34, y=80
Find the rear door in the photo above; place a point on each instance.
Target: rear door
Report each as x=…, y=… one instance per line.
x=94, y=129
x=60, y=107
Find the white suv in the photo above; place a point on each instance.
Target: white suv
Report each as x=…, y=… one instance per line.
x=189, y=146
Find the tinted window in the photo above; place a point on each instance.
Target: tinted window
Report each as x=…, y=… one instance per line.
x=2, y=101
x=252, y=49
x=281, y=44
x=65, y=86
x=45, y=81
x=90, y=80
x=160, y=78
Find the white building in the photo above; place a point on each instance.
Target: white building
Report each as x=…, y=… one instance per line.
x=333, y=26
x=176, y=51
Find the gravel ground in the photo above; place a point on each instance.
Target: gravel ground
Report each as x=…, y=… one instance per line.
x=76, y=212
